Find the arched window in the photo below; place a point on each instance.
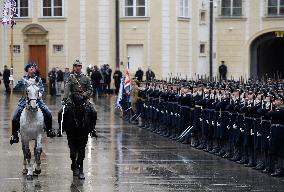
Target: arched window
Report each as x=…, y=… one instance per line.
x=231, y=8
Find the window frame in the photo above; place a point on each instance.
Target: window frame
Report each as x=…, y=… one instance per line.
x=204, y=44
x=232, y=9
x=55, y=51
x=278, y=6
x=17, y=49
x=182, y=9
x=201, y=21
x=52, y=10
x=18, y=16
x=135, y=9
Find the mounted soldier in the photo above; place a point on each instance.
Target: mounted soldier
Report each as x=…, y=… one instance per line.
x=31, y=74
x=79, y=116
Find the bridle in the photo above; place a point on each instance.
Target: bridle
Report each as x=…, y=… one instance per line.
x=29, y=107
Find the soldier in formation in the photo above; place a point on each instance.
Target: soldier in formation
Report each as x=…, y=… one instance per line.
x=237, y=120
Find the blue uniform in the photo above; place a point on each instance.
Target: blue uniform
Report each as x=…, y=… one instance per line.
x=22, y=103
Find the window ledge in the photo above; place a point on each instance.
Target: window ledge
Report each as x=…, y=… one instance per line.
x=52, y=18
x=134, y=18
x=27, y=19
x=183, y=19
x=235, y=18
x=269, y=18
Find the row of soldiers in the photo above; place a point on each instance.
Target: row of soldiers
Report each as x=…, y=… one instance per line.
x=242, y=122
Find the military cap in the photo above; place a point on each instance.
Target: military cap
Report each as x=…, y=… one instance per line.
x=77, y=62
x=27, y=66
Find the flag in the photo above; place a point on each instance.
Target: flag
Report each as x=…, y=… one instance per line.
x=9, y=10
x=119, y=96
x=127, y=82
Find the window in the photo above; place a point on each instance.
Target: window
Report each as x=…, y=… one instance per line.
x=135, y=8
x=52, y=8
x=57, y=49
x=17, y=49
x=202, y=49
x=183, y=8
x=231, y=8
x=202, y=16
x=22, y=8
x=275, y=7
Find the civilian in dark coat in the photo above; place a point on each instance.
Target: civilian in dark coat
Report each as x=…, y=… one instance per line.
x=6, y=75
x=150, y=75
x=96, y=78
x=223, y=71
x=139, y=74
x=117, y=80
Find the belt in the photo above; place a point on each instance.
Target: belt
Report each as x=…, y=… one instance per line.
x=277, y=125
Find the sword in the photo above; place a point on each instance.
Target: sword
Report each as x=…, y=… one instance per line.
x=61, y=122
x=186, y=131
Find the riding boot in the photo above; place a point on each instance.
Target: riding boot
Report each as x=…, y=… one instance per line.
x=16, y=124
x=81, y=170
x=48, y=124
x=15, y=128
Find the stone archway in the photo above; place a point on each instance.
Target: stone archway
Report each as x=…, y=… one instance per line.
x=267, y=56
x=36, y=47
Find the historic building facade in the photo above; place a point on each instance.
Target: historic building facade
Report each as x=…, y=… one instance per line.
x=170, y=36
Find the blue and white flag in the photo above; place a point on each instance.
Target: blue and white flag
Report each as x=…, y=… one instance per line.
x=9, y=10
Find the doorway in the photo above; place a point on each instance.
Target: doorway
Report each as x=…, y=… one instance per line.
x=37, y=54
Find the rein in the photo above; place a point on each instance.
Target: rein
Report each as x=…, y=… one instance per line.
x=28, y=107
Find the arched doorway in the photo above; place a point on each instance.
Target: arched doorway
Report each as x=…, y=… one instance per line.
x=267, y=56
x=36, y=47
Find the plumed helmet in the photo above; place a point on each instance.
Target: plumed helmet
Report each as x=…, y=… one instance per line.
x=77, y=62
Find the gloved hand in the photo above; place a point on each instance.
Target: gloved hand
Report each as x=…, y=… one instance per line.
x=94, y=134
x=64, y=101
x=14, y=139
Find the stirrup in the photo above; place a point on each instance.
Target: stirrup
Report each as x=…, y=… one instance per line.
x=14, y=139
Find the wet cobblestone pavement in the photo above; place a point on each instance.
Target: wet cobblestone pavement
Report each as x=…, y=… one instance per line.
x=124, y=158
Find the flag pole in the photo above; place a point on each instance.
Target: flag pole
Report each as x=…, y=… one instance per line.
x=11, y=78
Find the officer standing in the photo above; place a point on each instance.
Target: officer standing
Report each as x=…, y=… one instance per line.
x=223, y=71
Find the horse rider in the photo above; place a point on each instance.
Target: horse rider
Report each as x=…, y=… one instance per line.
x=80, y=84
x=31, y=74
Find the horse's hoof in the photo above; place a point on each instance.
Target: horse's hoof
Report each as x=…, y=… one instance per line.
x=76, y=172
x=25, y=171
x=29, y=177
x=81, y=176
x=37, y=171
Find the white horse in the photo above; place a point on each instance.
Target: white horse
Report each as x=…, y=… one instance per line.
x=31, y=128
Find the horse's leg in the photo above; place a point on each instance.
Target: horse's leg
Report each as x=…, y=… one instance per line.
x=37, y=152
x=81, y=156
x=27, y=157
x=25, y=170
x=73, y=156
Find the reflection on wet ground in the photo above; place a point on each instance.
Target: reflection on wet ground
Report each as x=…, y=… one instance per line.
x=124, y=158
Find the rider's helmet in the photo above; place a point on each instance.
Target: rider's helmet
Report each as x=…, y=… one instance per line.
x=77, y=62
x=27, y=66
